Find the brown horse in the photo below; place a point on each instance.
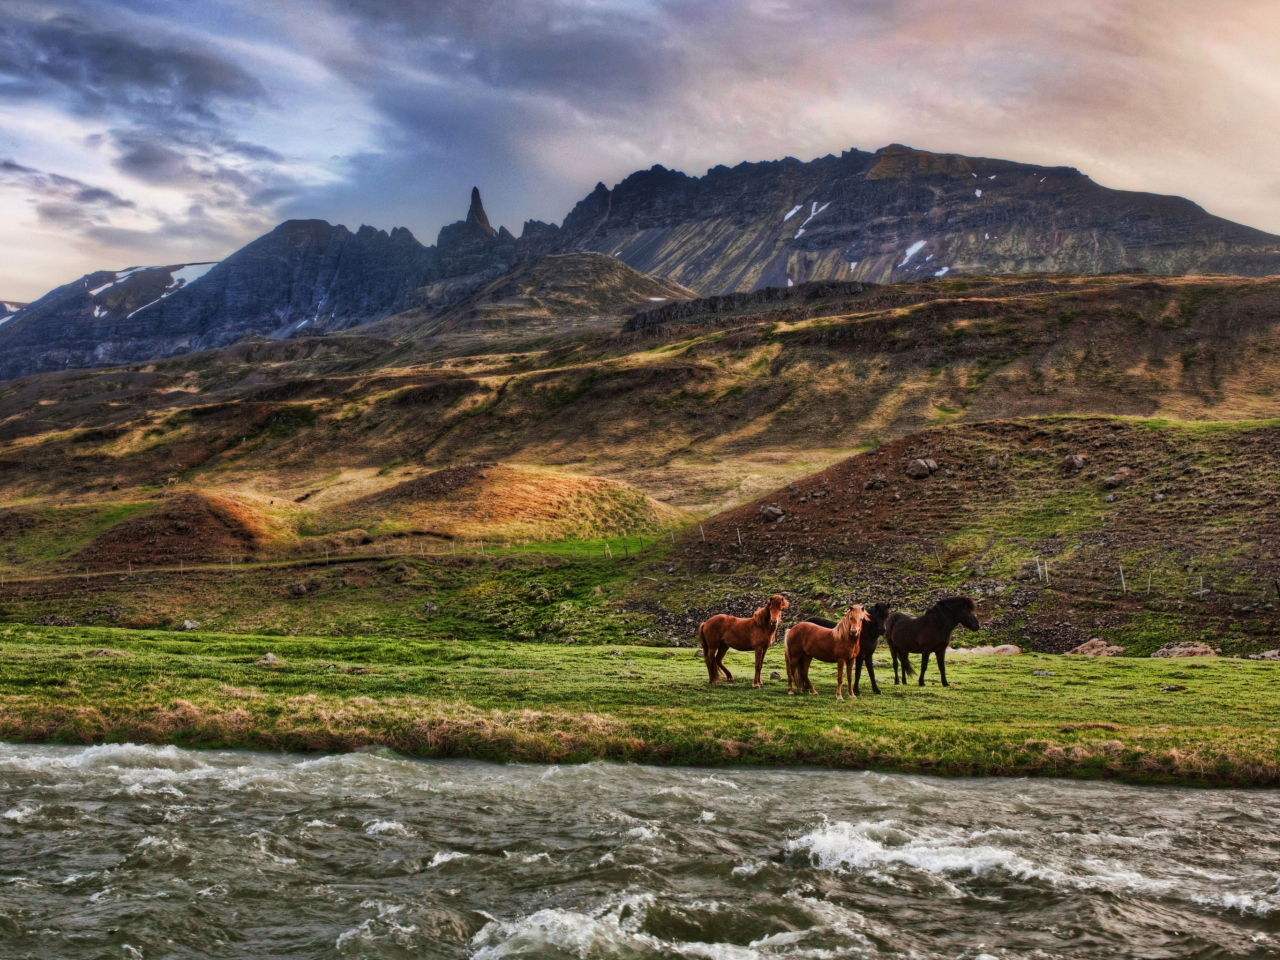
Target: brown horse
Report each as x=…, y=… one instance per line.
x=926, y=634
x=806, y=642
x=872, y=631
x=754, y=633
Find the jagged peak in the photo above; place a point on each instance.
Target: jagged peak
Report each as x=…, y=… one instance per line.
x=476, y=215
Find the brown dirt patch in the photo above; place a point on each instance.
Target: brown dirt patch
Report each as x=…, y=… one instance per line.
x=191, y=527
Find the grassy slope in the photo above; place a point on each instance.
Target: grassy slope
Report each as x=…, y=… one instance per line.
x=538, y=702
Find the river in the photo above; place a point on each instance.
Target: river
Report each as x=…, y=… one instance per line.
x=149, y=852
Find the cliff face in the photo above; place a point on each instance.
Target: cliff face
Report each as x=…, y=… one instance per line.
x=899, y=214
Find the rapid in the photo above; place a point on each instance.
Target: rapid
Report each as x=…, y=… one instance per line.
x=141, y=852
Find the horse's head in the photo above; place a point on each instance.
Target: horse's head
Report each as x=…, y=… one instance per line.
x=962, y=610
x=850, y=624
x=777, y=603
x=877, y=614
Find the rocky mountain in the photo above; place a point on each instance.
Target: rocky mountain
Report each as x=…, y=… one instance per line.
x=899, y=214
x=92, y=322
x=893, y=215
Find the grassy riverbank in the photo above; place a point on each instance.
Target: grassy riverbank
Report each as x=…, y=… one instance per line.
x=557, y=703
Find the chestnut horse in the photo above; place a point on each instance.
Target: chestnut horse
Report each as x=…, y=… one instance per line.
x=926, y=634
x=806, y=642
x=872, y=631
x=754, y=633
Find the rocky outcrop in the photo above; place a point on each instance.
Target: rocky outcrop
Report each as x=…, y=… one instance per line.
x=899, y=214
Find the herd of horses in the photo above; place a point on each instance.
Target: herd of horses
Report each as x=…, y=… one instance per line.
x=848, y=643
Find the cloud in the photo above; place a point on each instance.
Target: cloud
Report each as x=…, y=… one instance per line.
x=207, y=122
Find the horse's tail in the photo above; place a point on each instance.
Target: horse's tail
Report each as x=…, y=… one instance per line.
x=702, y=640
x=907, y=669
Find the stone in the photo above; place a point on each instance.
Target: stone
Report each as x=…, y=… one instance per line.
x=775, y=675
x=1096, y=647
x=771, y=511
x=1003, y=650
x=1042, y=673
x=1110, y=498
x=1265, y=655
x=1189, y=648
x=931, y=464
x=992, y=463
x=1072, y=463
x=271, y=660
x=876, y=482
x=298, y=589
x=1172, y=688
x=918, y=469
x=429, y=607
x=190, y=625
x=1037, y=452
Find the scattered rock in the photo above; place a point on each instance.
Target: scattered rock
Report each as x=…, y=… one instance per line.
x=271, y=660
x=430, y=607
x=1096, y=647
x=596, y=592
x=1072, y=463
x=1190, y=648
x=918, y=469
x=1042, y=673
x=615, y=653
x=298, y=589
x=992, y=463
x=876, y=482
x=190, y=625
x=105, y=652
x=931, y=464
x=53, y=620
x=1172, y=687
x=1110, y=498
x=1037, y=452
x=1265, y=655
x=1004, y=650
x=771, y=512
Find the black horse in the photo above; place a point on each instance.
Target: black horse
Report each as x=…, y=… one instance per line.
x=872, y=631
x=926, y=634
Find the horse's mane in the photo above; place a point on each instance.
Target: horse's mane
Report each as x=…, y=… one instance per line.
x=953, y=605
x=845, y=626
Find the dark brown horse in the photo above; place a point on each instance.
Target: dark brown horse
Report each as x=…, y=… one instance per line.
x=926, y=634
x=807, y=641
x=755, y=633
x=872, y=631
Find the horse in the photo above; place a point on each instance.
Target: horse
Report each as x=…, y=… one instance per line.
x=755, y=633
x=872, y=631
x=926, y=634
x=806, y=642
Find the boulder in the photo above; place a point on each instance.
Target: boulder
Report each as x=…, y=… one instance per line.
x=775, y=675
x=876, y=482
x=271, y=660
x=931, y=464
x=1004, y=650
x=1265, y=655
x=1037, y=452
x=190, y=625
x=1072, y=463
x=298, y=589
x=1096, y=647
x=918, y=469
x=992, y=463
x=771, y=511
x=1189, y=648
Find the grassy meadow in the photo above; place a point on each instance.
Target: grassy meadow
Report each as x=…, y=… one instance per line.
x=556, y=702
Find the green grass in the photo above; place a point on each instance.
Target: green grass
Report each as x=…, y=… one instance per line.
x=549, y=702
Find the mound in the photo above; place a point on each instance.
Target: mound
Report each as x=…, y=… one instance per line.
x=1188, y=510
x=490, y=499
x=191, y=528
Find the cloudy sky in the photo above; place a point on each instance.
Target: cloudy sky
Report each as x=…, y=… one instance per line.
x=159, y=131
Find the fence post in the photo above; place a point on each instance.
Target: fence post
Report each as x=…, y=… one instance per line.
x=1124, y=587
x=704, y=540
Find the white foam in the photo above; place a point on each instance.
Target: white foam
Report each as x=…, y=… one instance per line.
x=378, y=827
x=22, y=812
x=707, y=816
x=911, y=252
x=793, y=211
x=845, y=846
x=444, y=856
x=642, y=833
x=749, y=869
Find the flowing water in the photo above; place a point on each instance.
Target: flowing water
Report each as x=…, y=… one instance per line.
x=131, y=851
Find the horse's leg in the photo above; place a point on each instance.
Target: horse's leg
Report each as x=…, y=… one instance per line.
x=839, y=679
x=724, y=648
x=808, y=661
x=709, y=657
x=893, y=652
x=857, y=674
x=871, y=675
x=848, y=676
x=924, y=662
x=942, y=666
x=759, y=664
